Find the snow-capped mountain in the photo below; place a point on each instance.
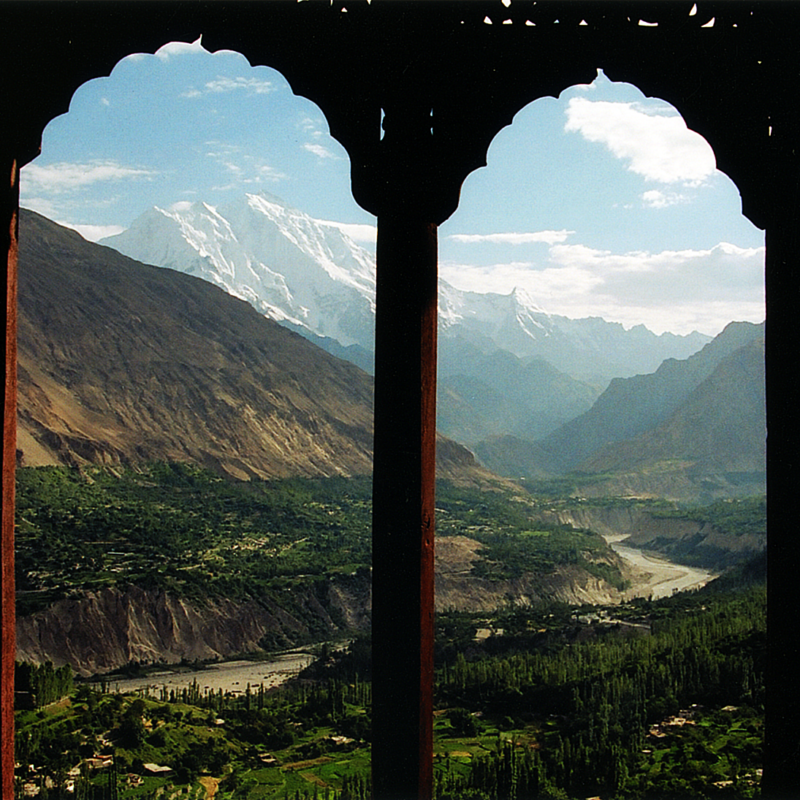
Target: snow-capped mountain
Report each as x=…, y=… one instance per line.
x=309, y=275
x=590, y=349
x=506, y=366
x=295, y=269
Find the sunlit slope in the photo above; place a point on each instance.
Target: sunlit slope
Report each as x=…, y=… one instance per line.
x=506, y=365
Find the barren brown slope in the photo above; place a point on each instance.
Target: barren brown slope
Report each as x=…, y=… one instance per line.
x=122, y=362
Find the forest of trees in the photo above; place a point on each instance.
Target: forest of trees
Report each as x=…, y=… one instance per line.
x=644, y=701
x=668, y=705
x=41, y=684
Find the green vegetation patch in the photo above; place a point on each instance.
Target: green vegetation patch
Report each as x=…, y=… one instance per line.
x=516, y=541
x=734, y=517
x=181, y=528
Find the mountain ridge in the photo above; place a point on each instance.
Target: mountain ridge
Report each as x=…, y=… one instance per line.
x=692, y=430
x=309, y=276
x=647, y=399
x=122, y=362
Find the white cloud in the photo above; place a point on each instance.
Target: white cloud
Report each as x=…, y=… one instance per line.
x=680, y=291
x=242, y=167
x=657, y=199
x=359, y=232
x=41, y=205
x=658, y=146
x=320, y=151
x=311, y=127
x=180, y=205
x=66, y=176
x=250, y=85
x=226, y=83
x=53, y=211
x=94, y=233
x=548, y=237
x=262, y=173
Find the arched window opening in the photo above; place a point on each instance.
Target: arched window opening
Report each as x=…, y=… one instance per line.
x=602, y=345
x=179, y=456
x=598, y=204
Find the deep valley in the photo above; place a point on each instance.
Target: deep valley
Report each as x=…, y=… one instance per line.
x=194, y=501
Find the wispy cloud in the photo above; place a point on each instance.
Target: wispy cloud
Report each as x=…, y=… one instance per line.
x=242, y=167
x=56, y=212
x=69, y=176
x=548, y=237
x=657, y=199
x=94, y=233
x=656, y=144
x=42, y=205
x=320, y=151
x=311, y=127
x=224, y=84
x=249, y=85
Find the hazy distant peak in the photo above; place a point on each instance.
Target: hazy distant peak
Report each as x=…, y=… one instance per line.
x=524, y=299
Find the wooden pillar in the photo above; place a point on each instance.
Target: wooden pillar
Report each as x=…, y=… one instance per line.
x=781, y=779
x=403, y=508
x=8, y=644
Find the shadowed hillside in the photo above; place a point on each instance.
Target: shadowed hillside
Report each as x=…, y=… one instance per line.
x=694, y=429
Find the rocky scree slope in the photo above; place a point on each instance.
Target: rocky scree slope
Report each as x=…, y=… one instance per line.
x=103, y=630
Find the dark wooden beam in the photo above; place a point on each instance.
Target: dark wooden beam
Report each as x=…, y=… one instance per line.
x=782, y=740
x=10, y=214
x=403, y=508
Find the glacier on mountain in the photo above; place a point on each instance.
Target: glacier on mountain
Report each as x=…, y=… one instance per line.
x=289, y=266
x=308, y=274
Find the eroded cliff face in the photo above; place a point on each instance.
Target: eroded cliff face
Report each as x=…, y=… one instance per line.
x=457, y=590
x=678, y=539
x=96, y=632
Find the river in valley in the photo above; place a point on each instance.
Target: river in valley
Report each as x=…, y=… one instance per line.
x=230, y=676
x=659, y=576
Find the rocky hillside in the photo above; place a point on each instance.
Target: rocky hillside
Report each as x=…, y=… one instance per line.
x=631, y=406
x=714, y=538
x=120, y=362
x=457, y=590
x=694, y=429
x=720, y=426
x=103, y=630
x=485, y=394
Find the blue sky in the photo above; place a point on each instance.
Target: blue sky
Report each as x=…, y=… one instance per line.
x=599, y=203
